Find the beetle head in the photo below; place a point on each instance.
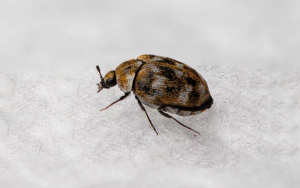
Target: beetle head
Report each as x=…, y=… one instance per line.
x=108, y=81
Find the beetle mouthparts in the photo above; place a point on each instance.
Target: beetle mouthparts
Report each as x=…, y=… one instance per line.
x=99, y=87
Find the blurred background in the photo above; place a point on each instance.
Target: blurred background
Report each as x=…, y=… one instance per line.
x=64, y=38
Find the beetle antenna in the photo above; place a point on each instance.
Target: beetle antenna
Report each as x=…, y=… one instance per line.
x=98, y=69
x=100, y=85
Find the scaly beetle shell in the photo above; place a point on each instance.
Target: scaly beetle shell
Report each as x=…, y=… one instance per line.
x=161, y=83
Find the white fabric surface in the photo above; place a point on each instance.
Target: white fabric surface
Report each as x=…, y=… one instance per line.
x=53, y=135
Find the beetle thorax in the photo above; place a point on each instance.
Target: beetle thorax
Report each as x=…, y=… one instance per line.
x=126, y=73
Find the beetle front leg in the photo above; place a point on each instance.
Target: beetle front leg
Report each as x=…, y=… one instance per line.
x=143, y=108
x=168, y=116
x=121, y=98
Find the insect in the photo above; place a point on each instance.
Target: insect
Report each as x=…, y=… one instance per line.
x=162, y=83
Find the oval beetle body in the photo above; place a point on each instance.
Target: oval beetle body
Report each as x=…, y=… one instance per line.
x=161, y=83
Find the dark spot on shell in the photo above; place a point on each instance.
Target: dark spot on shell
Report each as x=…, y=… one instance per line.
x=191, y=81
x=168, y=72
x=194, y=94
x=148, y=90
x=145, y=84
x=168, y=61
x=170, y=89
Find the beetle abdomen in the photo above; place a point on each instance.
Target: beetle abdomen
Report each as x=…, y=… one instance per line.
x=185, y=111
x=167, y=82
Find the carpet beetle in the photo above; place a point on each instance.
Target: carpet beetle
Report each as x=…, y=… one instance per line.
x=161, y=83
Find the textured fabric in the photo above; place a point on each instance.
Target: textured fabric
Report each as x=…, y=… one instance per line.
x=53, y=135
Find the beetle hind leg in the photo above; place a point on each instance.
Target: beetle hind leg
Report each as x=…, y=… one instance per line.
x=168, y=116
x=143, y=108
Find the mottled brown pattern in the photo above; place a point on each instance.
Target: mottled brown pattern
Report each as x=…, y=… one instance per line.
x=148, y=58
x=126, y=72
x=151, y=58
x=154, y=58
x=166, y=82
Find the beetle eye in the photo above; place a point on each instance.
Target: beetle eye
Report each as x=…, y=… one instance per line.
x=110, y=79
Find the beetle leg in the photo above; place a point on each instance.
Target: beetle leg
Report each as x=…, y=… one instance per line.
x=143, y=108
x=121, y=98
x=168, y=116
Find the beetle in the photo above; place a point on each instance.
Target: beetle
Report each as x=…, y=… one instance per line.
x=161, y=83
